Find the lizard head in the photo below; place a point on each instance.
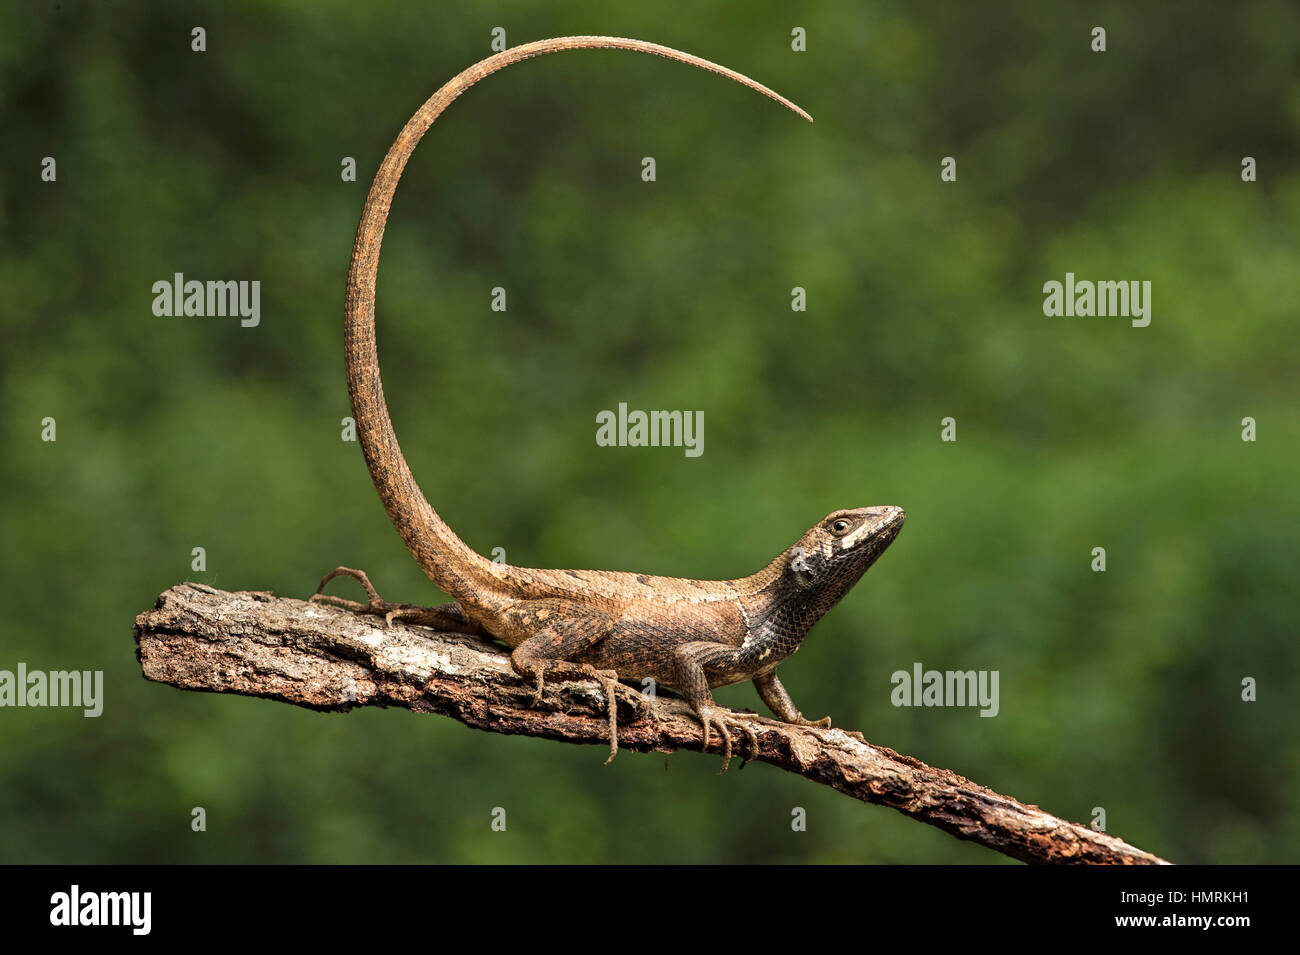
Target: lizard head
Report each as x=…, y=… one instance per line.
x=837, y=550
x=808, y=579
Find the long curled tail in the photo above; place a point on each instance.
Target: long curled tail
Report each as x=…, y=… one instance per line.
x=449, y=562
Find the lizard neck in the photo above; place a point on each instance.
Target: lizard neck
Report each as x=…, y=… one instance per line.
x=446, y=559
x=780, y=608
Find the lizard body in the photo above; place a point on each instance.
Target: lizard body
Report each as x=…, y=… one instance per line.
x=690, y=635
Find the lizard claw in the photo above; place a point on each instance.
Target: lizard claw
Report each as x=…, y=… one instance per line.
x=726, y=746
x=752, y=737
x=711, y=717
x=739, y=721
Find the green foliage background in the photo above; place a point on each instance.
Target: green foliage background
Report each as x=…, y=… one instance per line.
x=1119, y=690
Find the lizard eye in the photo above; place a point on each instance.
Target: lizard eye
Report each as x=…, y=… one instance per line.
x=840, y=526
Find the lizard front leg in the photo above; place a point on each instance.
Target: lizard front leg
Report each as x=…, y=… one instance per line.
x=560, y=631
x=448, y=617
x=779, y=702
x=692, y=660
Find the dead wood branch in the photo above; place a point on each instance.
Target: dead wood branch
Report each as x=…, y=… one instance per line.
x=316, y=656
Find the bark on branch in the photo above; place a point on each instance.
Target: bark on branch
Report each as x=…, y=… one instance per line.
x=324, y=658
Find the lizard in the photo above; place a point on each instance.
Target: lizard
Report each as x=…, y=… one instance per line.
x=689, y=635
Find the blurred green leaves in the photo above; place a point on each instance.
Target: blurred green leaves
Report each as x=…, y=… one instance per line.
x=1119, y=690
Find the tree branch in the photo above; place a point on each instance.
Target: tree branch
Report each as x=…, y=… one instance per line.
x=324, y=658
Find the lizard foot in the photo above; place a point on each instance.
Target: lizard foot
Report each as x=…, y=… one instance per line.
x=750, y=735
x=448, y=618
x=377, y=604
x=825, y=723
x=608, y=680
x=539, y=673
x=712, y=716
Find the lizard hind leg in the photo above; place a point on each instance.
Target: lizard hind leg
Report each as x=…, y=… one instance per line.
x=447, y=618
x=560, y=632
x=360, y=577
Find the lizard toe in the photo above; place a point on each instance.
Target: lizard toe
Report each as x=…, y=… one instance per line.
x=609, y=681
x=724, y=733
x=752, y=738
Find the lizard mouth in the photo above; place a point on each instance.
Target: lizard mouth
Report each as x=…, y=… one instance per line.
x=887, y=521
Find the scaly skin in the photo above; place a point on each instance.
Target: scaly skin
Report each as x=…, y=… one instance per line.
x=690, y=635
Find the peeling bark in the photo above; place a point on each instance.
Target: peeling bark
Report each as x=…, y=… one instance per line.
x=324, y=658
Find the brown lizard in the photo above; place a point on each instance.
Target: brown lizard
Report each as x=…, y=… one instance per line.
x=689, y=635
